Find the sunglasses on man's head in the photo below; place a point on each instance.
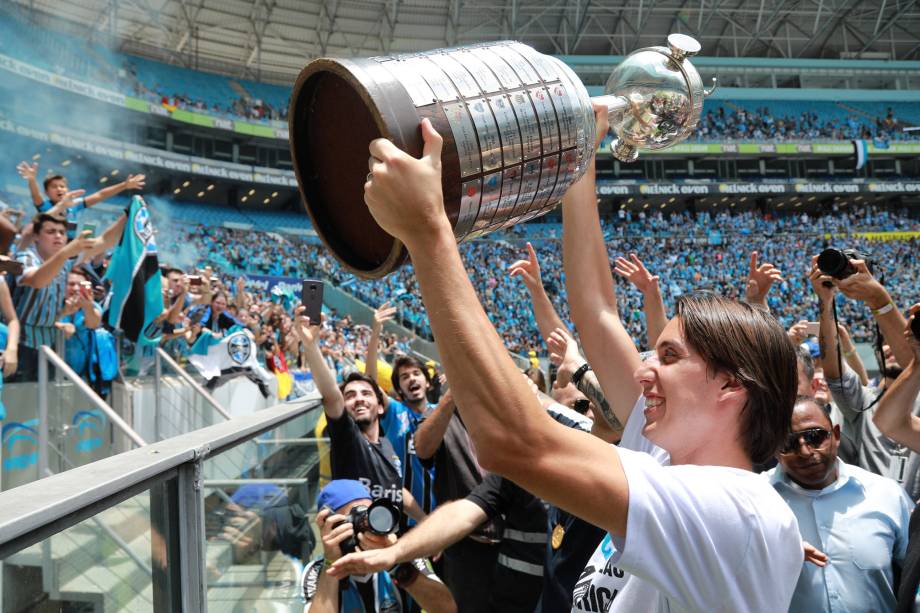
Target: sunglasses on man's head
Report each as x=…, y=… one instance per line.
x=813, y=437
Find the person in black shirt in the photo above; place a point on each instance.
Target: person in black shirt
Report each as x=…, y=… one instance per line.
x=442, y=441
x=571, y=541
x=518, y=575
x=353, y=412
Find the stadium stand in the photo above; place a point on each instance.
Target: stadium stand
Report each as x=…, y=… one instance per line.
x=179, y=87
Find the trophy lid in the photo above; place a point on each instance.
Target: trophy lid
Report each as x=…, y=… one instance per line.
x=682, y=46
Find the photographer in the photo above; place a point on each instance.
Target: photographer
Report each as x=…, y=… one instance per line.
x=857, y=403
x=368, y=592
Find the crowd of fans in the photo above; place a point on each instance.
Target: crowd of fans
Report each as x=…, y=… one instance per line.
x=244, y=107
x=761, y=124
x=676, y=247
x=410, y=452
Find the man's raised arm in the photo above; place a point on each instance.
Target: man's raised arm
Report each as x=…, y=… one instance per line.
x=308, y=333
x=381, y=315
x=513, y=435
x=592, y=296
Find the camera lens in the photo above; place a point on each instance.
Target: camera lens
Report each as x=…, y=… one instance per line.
x=382, y=517
x=915, y=326
x=832, y=262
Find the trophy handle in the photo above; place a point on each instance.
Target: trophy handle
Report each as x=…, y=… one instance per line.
x=616, y=106
x=708, y=92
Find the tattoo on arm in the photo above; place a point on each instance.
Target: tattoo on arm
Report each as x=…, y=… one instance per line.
x=589, y=386
x=822, y=345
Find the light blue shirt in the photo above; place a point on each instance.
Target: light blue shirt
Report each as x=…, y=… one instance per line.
x=860, y=521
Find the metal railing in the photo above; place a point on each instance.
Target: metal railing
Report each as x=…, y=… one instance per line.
x=160, y=357
x=171, y=470
x=46, y=355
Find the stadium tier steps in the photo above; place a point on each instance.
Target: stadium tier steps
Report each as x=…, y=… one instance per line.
x=83, y=59
x=213, y=215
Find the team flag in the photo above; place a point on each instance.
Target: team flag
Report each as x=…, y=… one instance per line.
x=861, y=149
x=220, y=359
x=137, y=292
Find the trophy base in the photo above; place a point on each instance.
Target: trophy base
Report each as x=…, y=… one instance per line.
x=333, y=119
x=624, y=151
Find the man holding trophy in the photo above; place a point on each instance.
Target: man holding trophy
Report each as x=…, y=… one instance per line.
x=691, y=527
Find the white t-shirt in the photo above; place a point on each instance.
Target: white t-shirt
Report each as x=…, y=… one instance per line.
x=698, y=538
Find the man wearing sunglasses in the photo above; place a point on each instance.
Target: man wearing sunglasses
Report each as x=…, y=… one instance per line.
x=857, y=518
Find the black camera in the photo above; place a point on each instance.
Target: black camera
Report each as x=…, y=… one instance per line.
x=837, y=263
x=915, y=326
x=380, y=517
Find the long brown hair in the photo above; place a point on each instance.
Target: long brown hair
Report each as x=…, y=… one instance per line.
x=748, y=344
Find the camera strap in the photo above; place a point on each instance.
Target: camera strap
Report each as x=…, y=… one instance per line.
x=877, y=350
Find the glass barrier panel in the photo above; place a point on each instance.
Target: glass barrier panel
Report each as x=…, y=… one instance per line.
x=102, y=564
x=259, y=500
x=78, y=431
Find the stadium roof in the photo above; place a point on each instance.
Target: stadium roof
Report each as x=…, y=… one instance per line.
x=272, y=39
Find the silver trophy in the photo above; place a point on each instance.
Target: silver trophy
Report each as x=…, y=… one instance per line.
x=518, y=130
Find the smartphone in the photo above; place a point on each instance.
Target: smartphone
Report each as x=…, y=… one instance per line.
x=194, y=280
x=311, y=297
x=811, y=328
x=86, y=288
x=91, y=227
